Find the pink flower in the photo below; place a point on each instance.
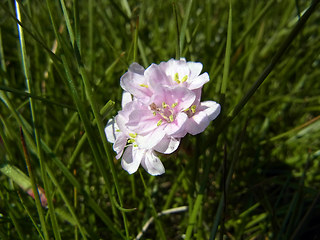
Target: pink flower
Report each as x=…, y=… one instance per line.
x=164, y=106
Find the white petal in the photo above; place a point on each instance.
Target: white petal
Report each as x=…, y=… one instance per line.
x=110, y=130
x=120, y=144
x=211, y=108
x=126, y=98
x=136, y=68
x=197, y=123
x=195, y=69
x=131, y=159
x=152, y=164
x=198, y=81
x=167, y=145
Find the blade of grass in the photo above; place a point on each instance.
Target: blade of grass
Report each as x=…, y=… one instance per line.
x=254, y=22
x=67, y=19
x=68, y=204
x=153, y=209
x=274, y=61
x=39, y=152
x=97, y=116
x=175, y=12
x=91, y=203
x=15, y=222
x=228, y=53
x=135, y=44
x=30, y=216
x=184, y=26
x=100, y=125
x=236, y=151
x=35, y=97
x=34, y=188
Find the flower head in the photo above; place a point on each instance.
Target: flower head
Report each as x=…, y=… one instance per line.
x=160, y=105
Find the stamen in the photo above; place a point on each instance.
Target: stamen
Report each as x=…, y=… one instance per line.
x=159, y=122
x=154, y=113
x=176, y=78
x=133, y=135
x=185, y=78
x=164, y=105
x=174, y=105
x=131, y=140
x=193, y=108
x=171, y=118
x=144, y=85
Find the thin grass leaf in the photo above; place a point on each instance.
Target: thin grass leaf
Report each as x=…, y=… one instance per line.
x=276, y=58
x=32, y=107
x=226, y=66
x=68, y=204
x=184, y=26
x=153, y=209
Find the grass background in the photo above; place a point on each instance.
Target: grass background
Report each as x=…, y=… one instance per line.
x=253, y=174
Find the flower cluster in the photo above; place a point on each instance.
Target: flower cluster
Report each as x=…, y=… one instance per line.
x=160, y=105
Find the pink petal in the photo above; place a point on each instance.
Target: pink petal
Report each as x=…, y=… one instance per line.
x=142, y=121
x=177, y=125
x=152, y=139
x=135, y=83
x=156, y=77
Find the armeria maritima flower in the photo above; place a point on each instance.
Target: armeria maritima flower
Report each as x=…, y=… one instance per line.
x=161, y=104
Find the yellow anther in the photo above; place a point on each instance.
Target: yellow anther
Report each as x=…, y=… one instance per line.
x=174, y=105
x=159, y=122
x=164, y=105
x=118, y=130
x=133, y=135
x=131, y=140
x=193, y=108
x=176, y=78
x=154, y=113
x=144, y=85
x=171, y=118
x=185, y=78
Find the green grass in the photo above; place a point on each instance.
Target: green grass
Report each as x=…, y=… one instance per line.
x=253, y=174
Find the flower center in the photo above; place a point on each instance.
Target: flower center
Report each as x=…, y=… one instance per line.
x=166, y=112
